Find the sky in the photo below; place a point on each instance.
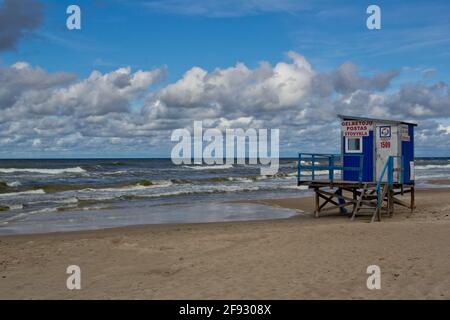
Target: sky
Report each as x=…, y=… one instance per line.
x=139, y=69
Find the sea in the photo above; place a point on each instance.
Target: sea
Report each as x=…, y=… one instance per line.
x=55, y=195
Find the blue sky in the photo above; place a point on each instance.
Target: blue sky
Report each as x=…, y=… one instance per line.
x=414, y=34
x=175, y=36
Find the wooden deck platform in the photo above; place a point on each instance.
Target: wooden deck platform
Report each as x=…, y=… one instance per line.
x=363, y=197
x=343, y=184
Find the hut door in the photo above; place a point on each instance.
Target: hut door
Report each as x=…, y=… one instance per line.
x=387, y=145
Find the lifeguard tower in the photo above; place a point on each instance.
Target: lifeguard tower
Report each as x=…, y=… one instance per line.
x=376, y=165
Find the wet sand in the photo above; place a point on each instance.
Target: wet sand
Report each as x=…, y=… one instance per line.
x=296, y=258
x=440, y=182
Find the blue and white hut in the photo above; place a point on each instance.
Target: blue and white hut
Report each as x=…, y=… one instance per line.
x=376, y=164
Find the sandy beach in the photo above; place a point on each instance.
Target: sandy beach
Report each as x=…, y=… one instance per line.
x=294, y=258
x=224, y=150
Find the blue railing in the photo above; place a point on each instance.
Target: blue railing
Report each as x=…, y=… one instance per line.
x=331, y=166
x=389, y=168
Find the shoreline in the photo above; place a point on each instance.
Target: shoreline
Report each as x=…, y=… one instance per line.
x=302, y=204
x=78, y=218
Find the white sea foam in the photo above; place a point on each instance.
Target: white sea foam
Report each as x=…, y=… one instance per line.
x=95, y=197
x=44, y=171
x=45, y=210
x=295, y=187
x=26, y=214
x=292, y=164
x=49, y=198
x=16, y=217
x=238, y=179
x=95, y=208
x=13, y=184
x=199, y=190
x=68, y=200
x=14, y=194
x=15, y=207
x=115, y=173
x=110, y=194
x=137, y=187
x=316, y=172
x=212, y=167
x=433, y=166
x=309, y=163
x=432, y=176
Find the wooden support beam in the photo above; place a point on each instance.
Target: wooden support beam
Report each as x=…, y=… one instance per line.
x=378, y=210
x=361, y=197
x=316, y=212
x=328, y=197
x=327, y=200
x=402, y=193
x=391, y=202
x=402, y=203
x=338, y=206
x=336, y=195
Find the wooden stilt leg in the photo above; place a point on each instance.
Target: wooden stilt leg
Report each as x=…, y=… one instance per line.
x=383, y=195
x=316, y=212
x=413, y=205
x=391, y=202
x=354, y=202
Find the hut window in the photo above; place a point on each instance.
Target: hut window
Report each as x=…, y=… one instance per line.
x=353, y=145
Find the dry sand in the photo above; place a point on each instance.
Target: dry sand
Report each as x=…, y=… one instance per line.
x=296, y=258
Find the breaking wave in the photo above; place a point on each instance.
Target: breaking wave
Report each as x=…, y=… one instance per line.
x=44, y=171
x=433, y=166
x=13, y=184
x=210, y=189
x=136, y=187
x=212, y=167
x=14, y=194
x=115, y=173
